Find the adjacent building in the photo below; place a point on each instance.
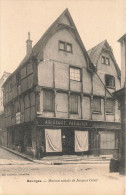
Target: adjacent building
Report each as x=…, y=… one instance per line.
x=60, y=98
x=3, y=133
x=121, y=96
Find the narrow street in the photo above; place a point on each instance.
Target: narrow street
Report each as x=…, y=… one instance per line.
x=20, y=176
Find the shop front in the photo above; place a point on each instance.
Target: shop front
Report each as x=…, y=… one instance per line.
x=68, y=137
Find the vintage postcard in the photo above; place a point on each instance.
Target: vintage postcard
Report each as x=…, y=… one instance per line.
x=62, y=97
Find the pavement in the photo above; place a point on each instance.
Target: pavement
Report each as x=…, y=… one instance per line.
x=56, y=160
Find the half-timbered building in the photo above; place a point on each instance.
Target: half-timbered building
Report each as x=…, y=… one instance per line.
x=59, y=97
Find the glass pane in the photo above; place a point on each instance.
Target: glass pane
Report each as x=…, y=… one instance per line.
x=96, y=107
x=69, y=47
x=62, y=46
x=75, y=74
x=74, y=103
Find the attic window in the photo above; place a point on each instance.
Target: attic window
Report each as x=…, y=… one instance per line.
x=62, y=46
x=66, y=47
x=110, y=81
x=105, y=60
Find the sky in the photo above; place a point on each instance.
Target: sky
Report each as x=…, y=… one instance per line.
x=96, y=20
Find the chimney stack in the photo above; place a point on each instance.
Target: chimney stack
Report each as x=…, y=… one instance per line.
x=122, y=41
x=28, y=45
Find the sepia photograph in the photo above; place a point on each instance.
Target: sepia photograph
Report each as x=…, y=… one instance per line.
x=62, y=97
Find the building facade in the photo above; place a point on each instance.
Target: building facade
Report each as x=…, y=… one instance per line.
x=3, y=133
x=59, y=100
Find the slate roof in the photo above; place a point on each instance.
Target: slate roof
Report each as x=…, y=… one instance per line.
x=95, y=52
x=37, y=50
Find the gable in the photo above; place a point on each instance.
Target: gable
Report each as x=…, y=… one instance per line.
x=65, y=20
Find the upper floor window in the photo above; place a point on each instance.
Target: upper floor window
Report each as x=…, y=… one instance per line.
x=110, y=81
x=109, y=106
x=74, y=103
x=64, y=46
x=105, y=60
x=75, y=74
x=96, y=105
x=48, y=100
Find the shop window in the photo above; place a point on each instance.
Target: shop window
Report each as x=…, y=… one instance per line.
x=107, y=140
x=110, y=81
x=74, y=104
x=109, y=106
x=48, y=100
x=64, y=46
x=75, y=74
x=96, y=105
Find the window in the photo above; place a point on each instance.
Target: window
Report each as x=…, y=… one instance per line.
x=107, y=61
x=69, y=47
x=110, y=81
x=110, y=106
x=96, y=105
x=48, y=100
x=75, y=74
x=107, y=140
x=64, y=46
x=103, y=60
x=74, y=104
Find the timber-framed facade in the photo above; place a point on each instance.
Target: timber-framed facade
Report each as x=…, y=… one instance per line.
x=59, y=100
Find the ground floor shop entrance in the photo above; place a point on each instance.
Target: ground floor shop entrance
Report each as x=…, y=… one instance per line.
x=66, y=141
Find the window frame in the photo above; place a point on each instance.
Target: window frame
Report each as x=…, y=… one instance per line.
x=108, y=141
x=106, y=61
x=94, y=111
x=61, y=42
x=75, y=68
x=45, y=109
x=111, y=77
x=71, y=109
x=113, y=106
x=65, y=46
x=103, y=59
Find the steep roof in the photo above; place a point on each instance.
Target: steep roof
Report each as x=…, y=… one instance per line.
x=95, y=52
x=37, y=50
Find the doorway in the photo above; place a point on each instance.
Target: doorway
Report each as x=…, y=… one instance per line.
x=67, y=141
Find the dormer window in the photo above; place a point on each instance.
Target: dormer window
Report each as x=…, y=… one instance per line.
x=64, y=46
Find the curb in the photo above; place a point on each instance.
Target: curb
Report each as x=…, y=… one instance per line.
x=53, y=162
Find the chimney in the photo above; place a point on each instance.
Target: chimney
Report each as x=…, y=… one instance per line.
x=122, y=41
x=28, y=45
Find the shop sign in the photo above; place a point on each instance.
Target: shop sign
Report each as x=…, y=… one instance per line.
x=62, y=122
